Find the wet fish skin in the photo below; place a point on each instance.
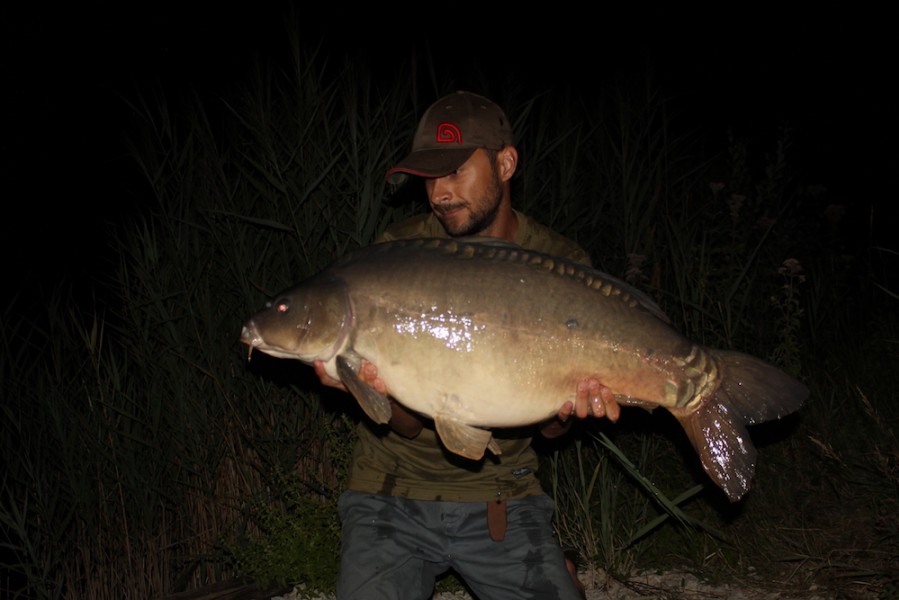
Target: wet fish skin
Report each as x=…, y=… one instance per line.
x=481, y=334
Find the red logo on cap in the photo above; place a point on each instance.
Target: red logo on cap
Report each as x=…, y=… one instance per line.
x=447, y=133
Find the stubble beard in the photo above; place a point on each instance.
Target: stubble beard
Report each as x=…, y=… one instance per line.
x=480, y=220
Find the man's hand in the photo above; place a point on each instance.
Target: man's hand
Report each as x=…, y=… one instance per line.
x=368, y=373
x=592, y=399
x=401, y=420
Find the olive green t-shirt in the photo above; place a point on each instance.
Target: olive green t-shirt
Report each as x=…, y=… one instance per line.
x=385, y=462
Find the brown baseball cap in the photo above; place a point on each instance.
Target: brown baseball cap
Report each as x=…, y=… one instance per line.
x=449, y=132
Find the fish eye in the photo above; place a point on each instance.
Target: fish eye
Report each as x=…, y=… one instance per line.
x=282, y=306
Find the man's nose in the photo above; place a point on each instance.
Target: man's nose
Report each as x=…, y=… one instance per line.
x=439, y=190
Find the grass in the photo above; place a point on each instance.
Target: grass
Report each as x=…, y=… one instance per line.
x=143, y=455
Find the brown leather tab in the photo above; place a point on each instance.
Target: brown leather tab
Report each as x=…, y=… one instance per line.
x=496, y=520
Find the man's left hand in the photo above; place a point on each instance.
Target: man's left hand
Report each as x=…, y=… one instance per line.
x=592, y=399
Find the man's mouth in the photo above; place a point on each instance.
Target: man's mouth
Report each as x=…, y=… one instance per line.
x=447, y=209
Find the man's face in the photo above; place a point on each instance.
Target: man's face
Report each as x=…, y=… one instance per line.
x=467, y=201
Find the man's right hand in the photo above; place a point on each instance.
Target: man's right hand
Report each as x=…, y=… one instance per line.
x=402, y=421
x=368, y=373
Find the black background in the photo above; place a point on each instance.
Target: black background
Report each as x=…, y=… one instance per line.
x=828, y=73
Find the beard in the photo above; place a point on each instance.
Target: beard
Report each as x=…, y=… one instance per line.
x=480, y=218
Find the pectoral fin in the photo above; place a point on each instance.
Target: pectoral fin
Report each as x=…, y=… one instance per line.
x=375, y=404
x=465, y=440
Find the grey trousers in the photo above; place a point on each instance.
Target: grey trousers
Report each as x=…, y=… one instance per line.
x=395, y=548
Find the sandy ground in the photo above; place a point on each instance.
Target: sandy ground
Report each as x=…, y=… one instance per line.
x=668, y=586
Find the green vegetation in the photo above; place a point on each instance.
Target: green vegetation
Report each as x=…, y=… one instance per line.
x=143, y=455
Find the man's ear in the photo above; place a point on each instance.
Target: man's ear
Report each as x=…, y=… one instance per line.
x=507, y=162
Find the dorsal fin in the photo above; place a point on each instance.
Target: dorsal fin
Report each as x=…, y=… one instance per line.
x=563, y=266
x=490, y=241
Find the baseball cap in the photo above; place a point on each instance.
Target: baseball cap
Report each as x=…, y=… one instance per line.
x=449, y=133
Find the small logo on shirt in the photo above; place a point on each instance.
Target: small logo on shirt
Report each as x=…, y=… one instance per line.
x=522, y=472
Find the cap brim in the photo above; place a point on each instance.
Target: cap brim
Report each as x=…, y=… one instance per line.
x=429, y=163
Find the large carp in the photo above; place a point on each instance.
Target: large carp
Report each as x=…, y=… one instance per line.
x=480, y=334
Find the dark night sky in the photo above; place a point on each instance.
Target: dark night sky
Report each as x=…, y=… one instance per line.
x=65, y=167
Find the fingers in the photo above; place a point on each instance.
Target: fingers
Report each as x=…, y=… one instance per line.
x=582, y=404
x=369, y=374
x=326, y=379
x=565, y=412
x=610, y=407
x=595, y=400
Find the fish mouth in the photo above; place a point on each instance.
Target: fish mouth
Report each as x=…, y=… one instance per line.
x=250, y=335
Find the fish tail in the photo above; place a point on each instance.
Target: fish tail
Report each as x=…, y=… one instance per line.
x=749, y=391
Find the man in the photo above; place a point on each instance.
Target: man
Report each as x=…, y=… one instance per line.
x=412, y=510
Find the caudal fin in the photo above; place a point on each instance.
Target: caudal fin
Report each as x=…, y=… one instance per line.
x=750, y=391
